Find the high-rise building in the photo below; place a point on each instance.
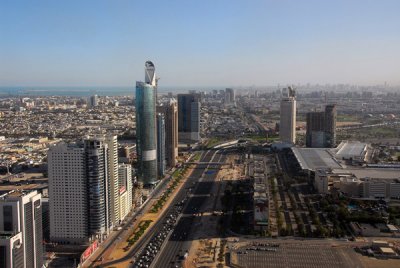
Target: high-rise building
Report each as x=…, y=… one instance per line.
x=170, y=111
x=321, y=128
x=112, y=144
x=229, y=96
x=93, y=101
x=125, y=189
x=287, y=126
x=126, y=180
x=11, y=250
x=80, y=190
x=160, y=144
x=330, y=125
x=21, y=230
x=189, y=117
x=146, y=134
x=68, y=195
x=99, y=186
x=315, y=134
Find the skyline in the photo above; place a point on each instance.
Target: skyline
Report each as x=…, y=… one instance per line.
x=231, y=44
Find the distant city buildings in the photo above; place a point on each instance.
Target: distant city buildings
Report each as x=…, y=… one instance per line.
x=189, y=117
x=229, y=96
x=146, y=134
x=321, y=128
x=287, y=126
x=170, y=111
x=21, y=232
x=93, y=101
x=161, y=144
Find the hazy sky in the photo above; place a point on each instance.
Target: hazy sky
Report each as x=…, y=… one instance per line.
x=199, y=42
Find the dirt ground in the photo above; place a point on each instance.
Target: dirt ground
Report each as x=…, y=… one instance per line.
x=369, y=262
x=204, y=252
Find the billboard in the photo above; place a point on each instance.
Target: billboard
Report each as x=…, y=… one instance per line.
x=89, y=251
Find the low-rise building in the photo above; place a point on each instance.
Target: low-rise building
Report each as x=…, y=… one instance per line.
x=356, y=185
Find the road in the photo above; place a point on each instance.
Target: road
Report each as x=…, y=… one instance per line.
x=154, y=230
x=178, y=243
x=113, y=237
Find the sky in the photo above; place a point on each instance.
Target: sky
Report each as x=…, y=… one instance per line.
x=199, y=43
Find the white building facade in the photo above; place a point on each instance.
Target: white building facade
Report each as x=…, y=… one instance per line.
x=83, y=178
x=21, y=233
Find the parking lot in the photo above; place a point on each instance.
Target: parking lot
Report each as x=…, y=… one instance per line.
x=295, y=255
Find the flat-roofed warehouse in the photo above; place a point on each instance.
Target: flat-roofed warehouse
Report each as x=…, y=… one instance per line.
x=311, y=159
x=340, y=169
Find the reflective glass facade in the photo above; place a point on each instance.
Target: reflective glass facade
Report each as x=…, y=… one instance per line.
x=146, y=135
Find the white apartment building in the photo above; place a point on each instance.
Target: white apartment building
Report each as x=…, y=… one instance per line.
x=112, y=143
x=83, y=189
x=11, y=250
x=21, y=230
x=126, y=189
x=124, y=203
x=68, y=196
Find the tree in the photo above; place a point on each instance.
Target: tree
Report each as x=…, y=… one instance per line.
x=342, y=214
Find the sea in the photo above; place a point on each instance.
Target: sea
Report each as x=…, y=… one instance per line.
x=88, y=91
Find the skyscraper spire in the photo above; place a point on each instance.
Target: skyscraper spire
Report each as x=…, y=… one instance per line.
x=150, y=74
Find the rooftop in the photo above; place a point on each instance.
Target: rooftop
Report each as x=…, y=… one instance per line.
x=385, y=250
x=6, y=235
x=314, y=158
x=350, y=149
x=373, y=173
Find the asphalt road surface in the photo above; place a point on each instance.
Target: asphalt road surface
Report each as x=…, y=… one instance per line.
x=171, y=254
x=155, y=229
x=129, y=222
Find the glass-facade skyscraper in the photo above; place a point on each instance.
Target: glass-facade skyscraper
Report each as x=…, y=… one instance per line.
x=146, y=134
x=161, y=144
x=189, y=117
x=321, y=128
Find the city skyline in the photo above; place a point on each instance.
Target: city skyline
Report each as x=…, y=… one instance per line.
x=268, y=136
x=231, y=44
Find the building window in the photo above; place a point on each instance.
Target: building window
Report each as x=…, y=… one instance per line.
x=8, y=218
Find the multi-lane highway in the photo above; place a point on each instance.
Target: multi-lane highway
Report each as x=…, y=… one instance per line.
x=174, y=249
x=113, y=238
x=197, y=184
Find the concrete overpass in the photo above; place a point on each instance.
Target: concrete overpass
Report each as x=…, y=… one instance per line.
x=206, y=163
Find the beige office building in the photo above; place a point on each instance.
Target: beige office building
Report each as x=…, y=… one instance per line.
x=113, y=177
x=287, y=127
x=170, y=111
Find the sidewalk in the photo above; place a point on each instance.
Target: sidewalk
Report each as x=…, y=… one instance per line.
x=124, y=233
x=116, y=251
